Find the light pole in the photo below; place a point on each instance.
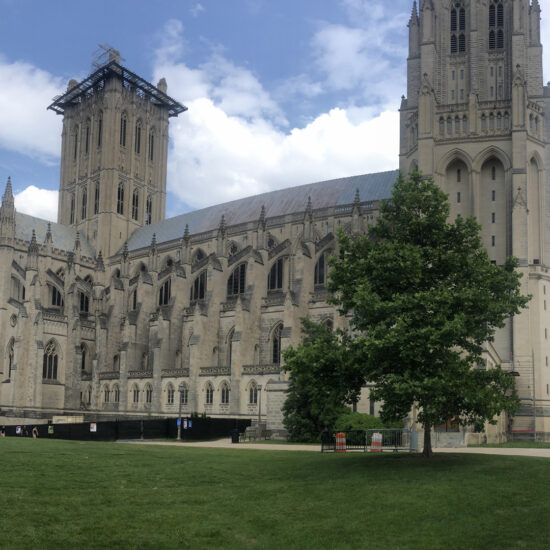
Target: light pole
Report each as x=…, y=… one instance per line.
x=181, y=387
x=259, y=408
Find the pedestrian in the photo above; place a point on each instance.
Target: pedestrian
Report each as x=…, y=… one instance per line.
x=3, y=431
x=35, y=433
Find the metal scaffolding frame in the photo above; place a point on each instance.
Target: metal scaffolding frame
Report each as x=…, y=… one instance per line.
x=129, y=79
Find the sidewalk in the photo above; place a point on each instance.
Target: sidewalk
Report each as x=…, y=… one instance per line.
x=226, y=444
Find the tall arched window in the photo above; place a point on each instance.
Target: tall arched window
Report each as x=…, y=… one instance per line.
x=106, y=394
x=83, y=356
x=50, y=361
x=120, y=199
x=275, y=277
x=253, y=394
x=458, y=26
x=230, y=348
x=116, y=363
x=135, y=394
x=56, y=298
x=133, y=300
x=209, y=391
x=148, y=394
x=170, y=393
x=184, y=395
x=116, y=394
x=99, y=130
x=198, y=289
x=137, y=141
x=71, y=216
x=276, y=345
x=236, y=284
x=320, y=275
x=96, y=199
x=11, y=356
x=151, y=146
x=87, y=138
x=135, y=204
x=496, y=25
x=84, y=302
x=149, y=211
x=225, y=393
x=123, y=124
x=75, y=151
x=165, y=292
x=84, y=211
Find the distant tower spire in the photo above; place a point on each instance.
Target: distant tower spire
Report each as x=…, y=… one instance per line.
x=7, y=213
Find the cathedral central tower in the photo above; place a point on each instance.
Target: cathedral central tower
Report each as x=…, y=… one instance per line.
x=113, y=153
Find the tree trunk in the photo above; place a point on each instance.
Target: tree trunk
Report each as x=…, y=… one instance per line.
x=427, y=453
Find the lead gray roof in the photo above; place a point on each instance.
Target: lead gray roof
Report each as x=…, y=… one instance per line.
x=63, y=237
x=372, y=187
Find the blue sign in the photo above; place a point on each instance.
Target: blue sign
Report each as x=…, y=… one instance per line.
x=190, y=423
x=179, y=422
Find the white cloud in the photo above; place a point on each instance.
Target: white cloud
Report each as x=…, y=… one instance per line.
x=41, y=203
x=196, y=9
x=25, y=124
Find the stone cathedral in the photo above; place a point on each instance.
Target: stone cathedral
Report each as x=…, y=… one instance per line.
x=116, y=311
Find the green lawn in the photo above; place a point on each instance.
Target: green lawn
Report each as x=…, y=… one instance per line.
x=517, y=444
x=57, y=494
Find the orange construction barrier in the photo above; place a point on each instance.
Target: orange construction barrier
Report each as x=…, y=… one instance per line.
x=376, y=443
x=340, y=442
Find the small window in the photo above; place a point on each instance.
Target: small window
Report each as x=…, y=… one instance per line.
x=461, y=74
x=198, y=290
x=137, y=144
x=458, y=197
x=458, y=175
x=148, y=394
x=83, y=357
x=106, y=394
x=99, y=131
x=493, y=217
x=184, y=395
x=449, y=125
x=149, y=211
x=493, y=240
x=493, y=173
x=133, y=300
x=135, y=394
x=442, y=126
x=87, y=140
x=116, y=394
x=483, y=122
x=462, y=43
x=72, y=209
x=151, y=146
x=457, y=125
x=493, y=195
x=96, y=199
x=84, y=302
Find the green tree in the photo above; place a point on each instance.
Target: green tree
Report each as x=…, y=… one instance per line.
x=324, y=377
x=424, y=298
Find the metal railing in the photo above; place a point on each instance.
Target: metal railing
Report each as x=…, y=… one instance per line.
x=361, y=440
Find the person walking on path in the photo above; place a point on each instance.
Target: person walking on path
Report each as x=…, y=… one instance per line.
x=35, y=433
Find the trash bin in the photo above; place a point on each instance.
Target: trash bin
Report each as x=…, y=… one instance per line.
x=234, y=436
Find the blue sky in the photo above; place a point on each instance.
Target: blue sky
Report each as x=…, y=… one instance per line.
x=280, y=93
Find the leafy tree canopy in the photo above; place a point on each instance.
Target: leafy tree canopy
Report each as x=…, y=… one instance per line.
x=424, y=298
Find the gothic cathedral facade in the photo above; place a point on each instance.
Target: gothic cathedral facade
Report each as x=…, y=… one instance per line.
x=115, y=311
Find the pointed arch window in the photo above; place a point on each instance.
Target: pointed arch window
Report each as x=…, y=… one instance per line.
x=458, y=28
x=137, y=143
x=11, y=356
x=83, y=356
x=441, y=126
x=151, y=146
x=320, y=275
x=184, y=395
x=87, y=139
x=148, y=210
x=75, y=151
x=198, y=290
x=84, y=210
x=96, y=199
x=253, y=394
x=170, y=394
x=165, y=292
x=71, y=215
x=123, y=124
x=133, y=300
x=462, y=43
x=84, y=302
x=116, y=363
x=50, y=361
x=275, y=277
x=209, y=394
x=225, y=393
x=230, y=348
x=496, y=25
x=236, y=284
x=135, y=204
x=276, y=345
x=120, y=199
x=99, y=131
x=116, y=394
x=56, y=297
x=135, y=392
x=148, y=394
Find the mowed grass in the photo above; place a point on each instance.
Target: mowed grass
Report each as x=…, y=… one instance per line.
x=58, y=494
x=517, y=445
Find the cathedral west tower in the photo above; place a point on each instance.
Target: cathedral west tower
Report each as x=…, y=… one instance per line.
x=113, y=153
x=474, y=119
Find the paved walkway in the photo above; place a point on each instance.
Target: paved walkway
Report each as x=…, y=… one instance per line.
x=226, y=444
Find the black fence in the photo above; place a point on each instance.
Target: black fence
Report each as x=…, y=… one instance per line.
x=362, y=440
x=193, y=429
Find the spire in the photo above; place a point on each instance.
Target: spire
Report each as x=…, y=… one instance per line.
x=186, y=233
x=49, y=238
x=154, y=242
x=414, y=14
x=309, y=210
x=222, y=227
x=8, y=194
x=262, y=215
x=77, y=241
x=357, y=200
x=33, y=247
x=125, y=251
x=7, y=213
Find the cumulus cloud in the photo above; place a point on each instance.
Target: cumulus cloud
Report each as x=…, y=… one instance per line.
x=196, y=9
x=25, y=124
x=41, y=203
